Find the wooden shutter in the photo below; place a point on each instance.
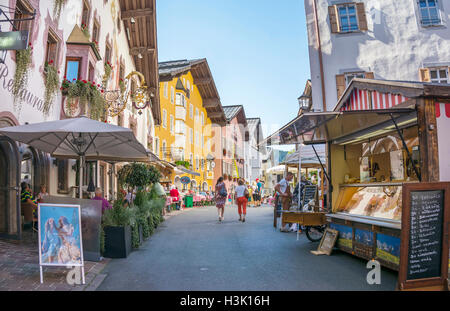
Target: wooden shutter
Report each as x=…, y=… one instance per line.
x=340, y=85
x=334, y=18
x=362, y=18
x=369, y=75
x=424, y=74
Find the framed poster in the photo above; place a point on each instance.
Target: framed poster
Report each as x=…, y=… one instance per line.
x=327, y=243
x=60, y=240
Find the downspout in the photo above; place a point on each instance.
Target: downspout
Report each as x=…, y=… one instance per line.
x=319, y=48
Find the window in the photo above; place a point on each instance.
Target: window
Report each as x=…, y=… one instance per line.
x=86, y=14
x=23, y=11
x=172, y=123
x=197, y=163
x=179, y=127
x=172, y=95
x=343, y=80
x=73, y=68
x=429, y=12
x=188, y=85
x=203, y=118
x=191, y=111
x=196, y=138
x=164, y=151
x=107, y=53
x=122, y=71
x=348, y=17
x=157, y=146
x=96, y=31
x=52, y=48
x=164, y=118
x=180, y=100
x=191, y=160
x=439, y=75
x=191, y=135
x=196, y=114
x=166, y=89
x=63, y=171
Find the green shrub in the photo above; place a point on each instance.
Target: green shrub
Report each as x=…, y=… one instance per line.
x=135, y=241
x=118, y=216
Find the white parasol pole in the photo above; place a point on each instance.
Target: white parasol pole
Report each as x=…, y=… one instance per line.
x=80, y=177
x=299, y=173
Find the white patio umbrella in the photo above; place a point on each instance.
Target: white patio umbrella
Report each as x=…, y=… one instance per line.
x=80, y=138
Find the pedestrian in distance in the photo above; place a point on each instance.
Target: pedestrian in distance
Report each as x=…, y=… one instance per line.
x=242, y=199
x=221, y=197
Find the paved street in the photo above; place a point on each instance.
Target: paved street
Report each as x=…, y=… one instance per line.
x=191, y=251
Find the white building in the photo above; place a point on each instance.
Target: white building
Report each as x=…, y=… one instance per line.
x=406, y=40
x=253, y=154
x=87, y=35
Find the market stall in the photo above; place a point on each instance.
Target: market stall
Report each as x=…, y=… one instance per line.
x=381, y=136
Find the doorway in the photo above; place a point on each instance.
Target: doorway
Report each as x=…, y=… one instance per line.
x=10, y=219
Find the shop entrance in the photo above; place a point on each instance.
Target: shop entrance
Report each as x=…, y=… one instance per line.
x=9, y=189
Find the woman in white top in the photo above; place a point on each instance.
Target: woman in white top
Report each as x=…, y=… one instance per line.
x=241, y=199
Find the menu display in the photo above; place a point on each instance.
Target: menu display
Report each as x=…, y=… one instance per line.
x=310, y=193
x=425, y=238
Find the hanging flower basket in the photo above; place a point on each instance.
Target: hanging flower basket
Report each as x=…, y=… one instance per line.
x=51, y=83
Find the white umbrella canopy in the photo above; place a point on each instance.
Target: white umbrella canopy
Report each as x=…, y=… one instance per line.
x=80, y=138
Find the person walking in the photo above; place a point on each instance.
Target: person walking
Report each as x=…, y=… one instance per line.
x=241, y=199
x=221, y=197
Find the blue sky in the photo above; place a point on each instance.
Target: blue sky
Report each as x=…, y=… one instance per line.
x=257, y=50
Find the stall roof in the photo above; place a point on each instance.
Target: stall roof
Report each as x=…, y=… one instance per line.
x=341, y=127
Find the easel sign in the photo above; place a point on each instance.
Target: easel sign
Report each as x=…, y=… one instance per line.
x=60, y=241
x=327, y=243
x=424, y=247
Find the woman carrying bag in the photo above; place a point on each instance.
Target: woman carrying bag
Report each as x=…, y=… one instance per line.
x=221, y=197
x=242, y=199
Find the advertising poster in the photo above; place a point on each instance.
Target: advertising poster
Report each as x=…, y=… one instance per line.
x=60, y=242
x=364, y=237
x=388, y=248
x=345, y=235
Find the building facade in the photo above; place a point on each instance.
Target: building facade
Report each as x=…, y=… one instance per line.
x=229, y=146
x=388, y=40
x=92, y=42
x=253, y=154
x=184, y=135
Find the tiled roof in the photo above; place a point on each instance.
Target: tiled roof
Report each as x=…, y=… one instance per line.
x=253, y=123
x=174, y=67
x=231, y=111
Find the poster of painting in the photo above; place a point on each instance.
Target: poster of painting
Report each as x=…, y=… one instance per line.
x=364, y=237
x=60, y=242
x=388, y=248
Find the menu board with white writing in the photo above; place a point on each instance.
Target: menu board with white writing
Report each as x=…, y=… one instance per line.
x=425, y=238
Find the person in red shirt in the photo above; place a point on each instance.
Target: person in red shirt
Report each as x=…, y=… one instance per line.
x=175, y=195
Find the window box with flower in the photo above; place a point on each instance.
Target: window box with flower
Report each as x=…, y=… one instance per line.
x=82, y=93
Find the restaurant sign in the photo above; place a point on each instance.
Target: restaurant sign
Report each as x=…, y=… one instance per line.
x=185, y=180
x=14, y=40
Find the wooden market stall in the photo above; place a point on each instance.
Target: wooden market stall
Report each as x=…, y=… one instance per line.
x=381, y=137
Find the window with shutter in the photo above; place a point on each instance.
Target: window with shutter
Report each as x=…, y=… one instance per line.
x=332, y=11
x=362, y=18
x=424, y=74
x=340, y=85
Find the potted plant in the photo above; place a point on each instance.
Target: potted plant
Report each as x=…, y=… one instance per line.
x=117, y=230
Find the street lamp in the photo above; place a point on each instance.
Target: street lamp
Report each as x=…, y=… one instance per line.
x=304, y=102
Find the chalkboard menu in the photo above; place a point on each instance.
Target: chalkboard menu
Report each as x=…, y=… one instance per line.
x=425, y=238
x=309, y=193
x=423, y=249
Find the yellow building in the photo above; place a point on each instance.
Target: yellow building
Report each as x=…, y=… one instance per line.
x=190, y=107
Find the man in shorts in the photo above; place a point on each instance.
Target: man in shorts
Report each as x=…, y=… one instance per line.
x=284, y=192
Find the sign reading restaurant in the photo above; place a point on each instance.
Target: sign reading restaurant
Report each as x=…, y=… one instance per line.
x=14, y=40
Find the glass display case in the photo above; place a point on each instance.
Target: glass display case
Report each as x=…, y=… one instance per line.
x=372, y=200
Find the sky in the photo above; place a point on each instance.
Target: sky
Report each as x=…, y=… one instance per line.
x=257, y=51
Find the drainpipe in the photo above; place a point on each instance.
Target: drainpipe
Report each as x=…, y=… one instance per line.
x=319, y=48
